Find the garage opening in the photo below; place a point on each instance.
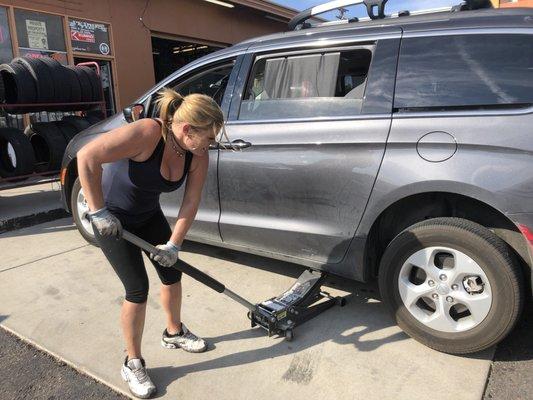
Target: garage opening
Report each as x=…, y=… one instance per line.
x=170, y=55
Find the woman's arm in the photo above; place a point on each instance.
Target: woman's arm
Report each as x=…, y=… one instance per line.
x=191, y=199
x=130, y=141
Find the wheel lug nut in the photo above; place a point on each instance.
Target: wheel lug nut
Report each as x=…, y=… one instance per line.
x=435, y=296
x=449, y=299
x=442, y=277
x=431, y=283
x=455, y=286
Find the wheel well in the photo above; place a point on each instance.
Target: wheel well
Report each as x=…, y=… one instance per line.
x=420, y=207
x=70, y=178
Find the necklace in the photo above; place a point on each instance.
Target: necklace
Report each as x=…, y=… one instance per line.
x=175, y=146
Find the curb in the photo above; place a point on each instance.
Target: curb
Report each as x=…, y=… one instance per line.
x=33, y=219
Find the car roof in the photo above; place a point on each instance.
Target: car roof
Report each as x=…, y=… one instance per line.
x=484, y=18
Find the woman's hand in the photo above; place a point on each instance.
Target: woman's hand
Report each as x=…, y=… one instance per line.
x=167, y=254
x=106, y=223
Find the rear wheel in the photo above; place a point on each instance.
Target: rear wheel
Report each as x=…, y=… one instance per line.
x=452, y=284
x=80, y=209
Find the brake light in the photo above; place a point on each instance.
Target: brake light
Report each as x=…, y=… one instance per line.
x=527, y=233
x=62, y=176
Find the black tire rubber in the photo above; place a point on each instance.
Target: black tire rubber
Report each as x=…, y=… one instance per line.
x=25, y=159
x=94, y=116
x=67, y=130
x=74, y=208
x=85, y=85
x=42, y=76
x=2, y=90
x=61, y=85
x=79, y=123
x=96, y=92
x=74, y=84
x=491, y=253
x=48, y=145
x=20, y=87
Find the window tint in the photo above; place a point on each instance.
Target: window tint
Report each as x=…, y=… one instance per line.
x=465, y=71
x=310, y=85
x=211, y=82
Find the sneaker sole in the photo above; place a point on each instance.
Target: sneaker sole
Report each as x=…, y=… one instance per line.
x=140, y=396
x=167, y=345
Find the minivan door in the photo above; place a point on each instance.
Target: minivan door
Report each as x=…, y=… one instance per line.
x=311, y=127
x=216, y=80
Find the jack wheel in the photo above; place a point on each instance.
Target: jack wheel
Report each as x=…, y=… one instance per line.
x=341, y=301
x=289, y=335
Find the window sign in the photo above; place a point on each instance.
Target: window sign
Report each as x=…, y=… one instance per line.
x=39, y=31
x=89, y=37
x=56, y=55
x=37, y=34
x=6, y=51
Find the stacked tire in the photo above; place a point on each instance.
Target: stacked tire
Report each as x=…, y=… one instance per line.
x=16, y=153
x=46, y=81
x=48, y=140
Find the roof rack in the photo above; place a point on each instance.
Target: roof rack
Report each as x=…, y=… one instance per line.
x=375, y=10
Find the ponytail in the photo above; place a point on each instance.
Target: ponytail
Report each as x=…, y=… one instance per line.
x=168, y=102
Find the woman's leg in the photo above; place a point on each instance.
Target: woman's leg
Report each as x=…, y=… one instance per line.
x=132, y=318
x=126, y=260
x=171, y=302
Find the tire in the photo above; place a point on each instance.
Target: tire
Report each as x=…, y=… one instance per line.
x=96, y=92
x=73, y=83
x=61, y=87
x=2, y=90
x=42, y=77
x=19, y=85
x=16, y=153
x=79, y=123
x=67, y=130
x=496, y=293
x=85, y=85
x=48, y=145
x=78, y=211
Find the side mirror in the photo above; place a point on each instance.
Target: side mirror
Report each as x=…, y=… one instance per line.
x=134, y=112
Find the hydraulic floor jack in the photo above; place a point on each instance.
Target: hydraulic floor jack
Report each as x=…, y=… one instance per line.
x=278, y=315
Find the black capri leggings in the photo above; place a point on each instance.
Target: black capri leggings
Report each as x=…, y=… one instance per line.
x=126, y=258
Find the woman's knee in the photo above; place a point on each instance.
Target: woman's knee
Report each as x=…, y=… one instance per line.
x=137, y=295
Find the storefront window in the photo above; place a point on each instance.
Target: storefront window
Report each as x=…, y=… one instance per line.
x=89, y=37
x=6, y=51
x=40, y=35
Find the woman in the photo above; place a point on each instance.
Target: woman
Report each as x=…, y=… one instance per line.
x=142, y=160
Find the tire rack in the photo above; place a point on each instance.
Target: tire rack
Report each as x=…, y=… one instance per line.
x=37, y=178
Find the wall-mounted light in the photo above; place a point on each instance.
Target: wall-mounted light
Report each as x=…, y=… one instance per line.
x=220, y=3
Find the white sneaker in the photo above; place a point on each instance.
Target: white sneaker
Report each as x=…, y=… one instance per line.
x=134, y=372
x=188, y=341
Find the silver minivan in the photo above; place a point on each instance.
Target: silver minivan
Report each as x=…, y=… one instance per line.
x=397, y=149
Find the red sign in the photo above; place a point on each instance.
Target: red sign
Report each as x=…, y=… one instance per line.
x=82, y=36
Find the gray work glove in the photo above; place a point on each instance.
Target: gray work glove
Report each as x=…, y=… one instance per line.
x=167, y=254
x=106, y=223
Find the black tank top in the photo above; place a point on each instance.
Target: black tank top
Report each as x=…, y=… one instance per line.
x=131, y=189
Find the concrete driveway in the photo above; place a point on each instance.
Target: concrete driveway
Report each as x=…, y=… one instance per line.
x=61, y=294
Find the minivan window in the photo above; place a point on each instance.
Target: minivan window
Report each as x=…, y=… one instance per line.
x=211, y=82
x=307, y=85
x=465, y=71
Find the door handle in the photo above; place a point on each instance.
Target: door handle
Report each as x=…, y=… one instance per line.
x=237, y=144
x=240, y=144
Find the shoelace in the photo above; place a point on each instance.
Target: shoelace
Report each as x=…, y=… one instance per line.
x=191, y=336
x=140, y=374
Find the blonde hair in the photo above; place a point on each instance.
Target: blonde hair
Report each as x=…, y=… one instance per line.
x=198, y=110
